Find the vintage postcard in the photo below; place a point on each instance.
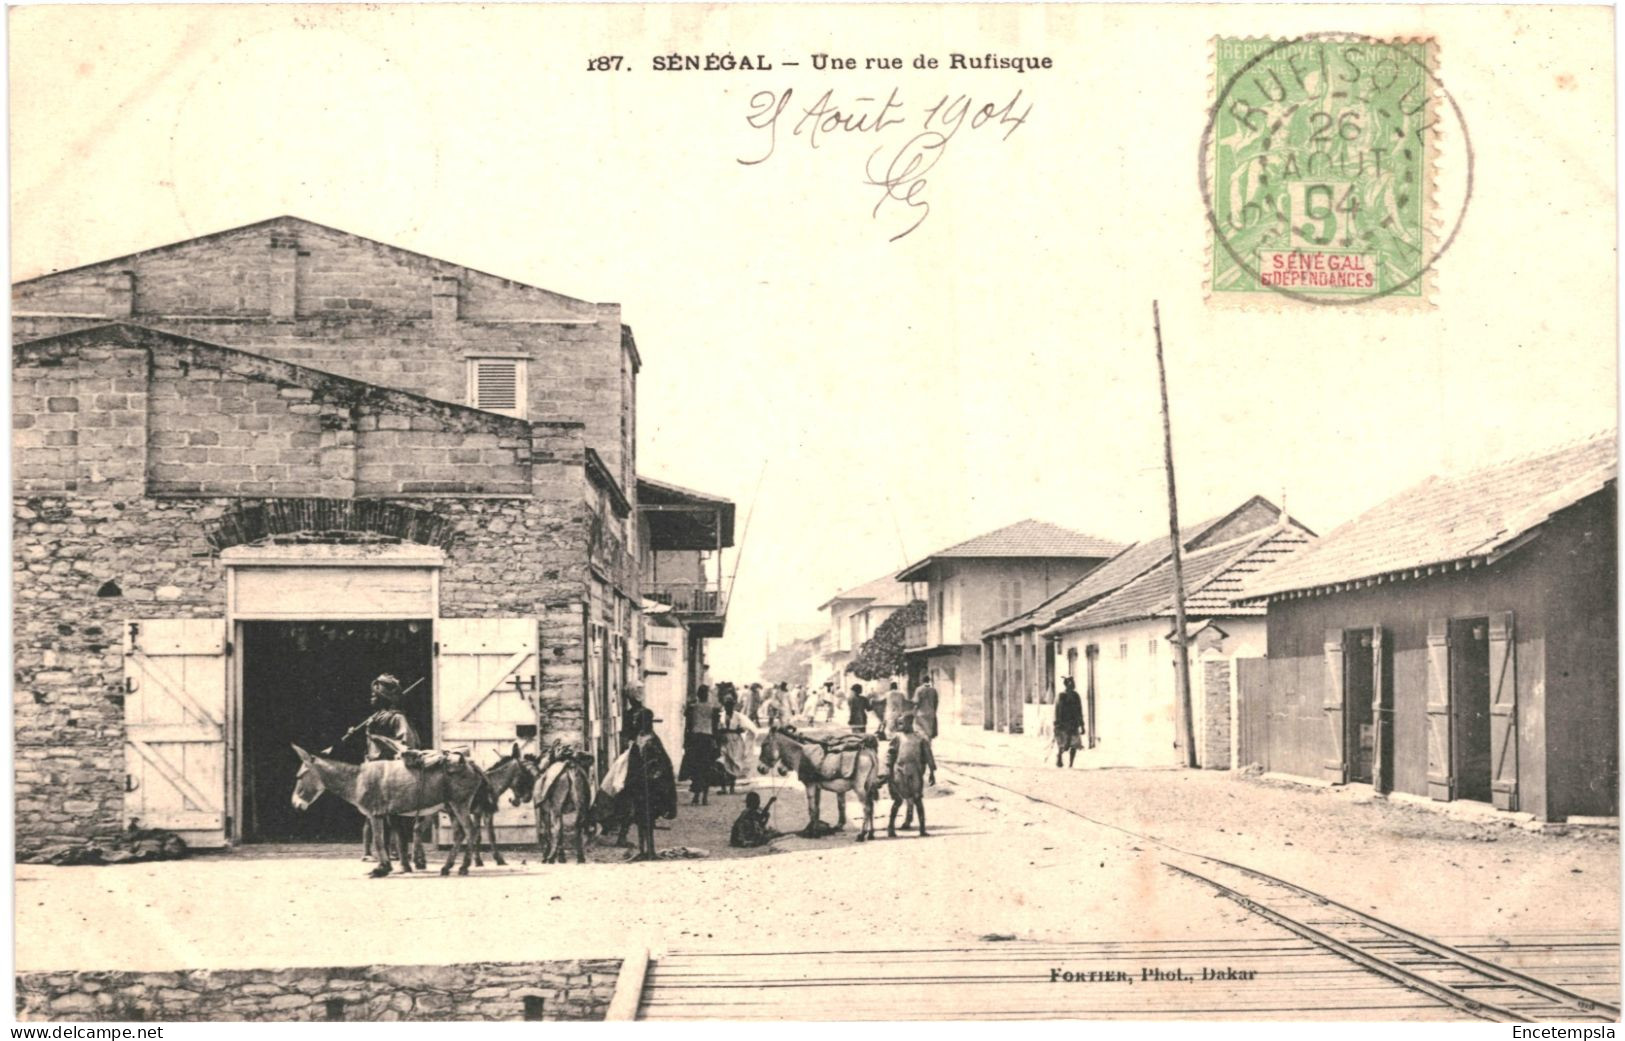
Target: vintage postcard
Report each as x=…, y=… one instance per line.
x=814, y=513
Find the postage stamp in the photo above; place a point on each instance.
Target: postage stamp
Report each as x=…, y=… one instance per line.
x=1318, y=170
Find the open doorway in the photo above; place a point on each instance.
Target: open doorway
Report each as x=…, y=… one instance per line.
x=1470, y=707
x=306, y=683
x=1358, y=681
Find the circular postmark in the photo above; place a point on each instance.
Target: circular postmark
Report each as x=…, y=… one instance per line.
x=1316, y=168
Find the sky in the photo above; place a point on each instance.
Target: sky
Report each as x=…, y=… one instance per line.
x=868, y=396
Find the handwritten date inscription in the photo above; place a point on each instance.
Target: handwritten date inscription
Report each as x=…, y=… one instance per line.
x=897, y=173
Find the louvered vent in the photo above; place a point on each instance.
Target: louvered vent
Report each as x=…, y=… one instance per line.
x=497, y=385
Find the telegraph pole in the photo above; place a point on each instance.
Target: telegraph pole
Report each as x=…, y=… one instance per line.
x=1182, y=660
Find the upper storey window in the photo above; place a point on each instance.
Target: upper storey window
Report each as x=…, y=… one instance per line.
x=497, y=384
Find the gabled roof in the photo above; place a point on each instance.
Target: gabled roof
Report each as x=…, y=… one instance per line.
x=1475, y=516
x=290, y=221
x=1210, y=577
x=1028, y=538
x=1131, y=563
x=884, y=591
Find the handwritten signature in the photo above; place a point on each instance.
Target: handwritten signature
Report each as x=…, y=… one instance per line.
x=901, y=177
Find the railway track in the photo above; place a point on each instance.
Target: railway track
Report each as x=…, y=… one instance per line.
x=1475, y=985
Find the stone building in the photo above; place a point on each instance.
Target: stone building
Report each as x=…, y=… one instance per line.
x=215, y=552
x=275, y=459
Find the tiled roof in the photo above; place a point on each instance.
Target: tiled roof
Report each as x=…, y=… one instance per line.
x=885, y=591
x=1125, y=567
x=1209, y=575
x=1028, y=538
x=1218, y=596
x=663, y=491
x=1449, y=519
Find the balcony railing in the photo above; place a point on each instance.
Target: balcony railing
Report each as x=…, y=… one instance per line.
x=914, y=637
x=687, y=597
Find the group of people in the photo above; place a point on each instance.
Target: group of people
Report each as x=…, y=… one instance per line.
x=895, y=705
x=715, y=742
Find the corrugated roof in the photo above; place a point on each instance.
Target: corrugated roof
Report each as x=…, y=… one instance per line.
x=885, y=591
x=1446, y=519
x=1028, y=538
x=1210, y=575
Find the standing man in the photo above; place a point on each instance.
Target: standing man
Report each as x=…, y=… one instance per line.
x=1068, y=723
x=753, y=704
x=896, y=708
x=699, y=767
x=857, y=709
x=651, y=790
x=925, y=709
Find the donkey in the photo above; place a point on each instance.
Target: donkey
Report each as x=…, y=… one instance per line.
x=819, y=770
x=562, y=785
x=387, y=788
x=511, y=774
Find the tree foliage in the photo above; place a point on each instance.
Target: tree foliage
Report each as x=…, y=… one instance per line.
x=882, y=654
x=789, y=663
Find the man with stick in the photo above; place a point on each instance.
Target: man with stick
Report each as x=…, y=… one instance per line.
x=389, y=732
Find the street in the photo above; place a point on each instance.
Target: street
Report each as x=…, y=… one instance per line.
x=1018, y=855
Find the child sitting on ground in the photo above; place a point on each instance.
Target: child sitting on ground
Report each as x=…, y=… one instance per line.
x=751, y=829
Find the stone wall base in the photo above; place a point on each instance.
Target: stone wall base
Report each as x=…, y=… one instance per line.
x=513, y=991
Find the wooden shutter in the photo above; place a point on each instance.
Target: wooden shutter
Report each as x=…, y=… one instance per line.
x=1335, y=766
x=175, y=727
x=1382, y=712
x=1503, y=713
x=1441, y=772
x=481, y=706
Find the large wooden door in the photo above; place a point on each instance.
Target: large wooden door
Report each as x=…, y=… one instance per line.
x=1503, y=713
x=1441, y=764
x=1334, y=767
x=175, y=727
x=487, y=678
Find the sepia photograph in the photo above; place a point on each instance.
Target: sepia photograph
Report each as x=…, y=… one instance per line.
x=807, y=513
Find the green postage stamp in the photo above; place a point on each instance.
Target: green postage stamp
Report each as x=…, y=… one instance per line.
x=1319, y=170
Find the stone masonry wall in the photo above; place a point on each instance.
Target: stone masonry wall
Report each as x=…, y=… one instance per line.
x=83, y=568
x=221, y=421
x=495, y=991
x=310, y=295
x=93, y=549
x=1213, y=743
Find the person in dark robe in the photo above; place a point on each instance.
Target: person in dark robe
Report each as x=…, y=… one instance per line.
x=925, y=709
x=631, y=710
x=1068, y=723
x=700, y=747
x=857, y=710
x=751, y=827
x=651, y=787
